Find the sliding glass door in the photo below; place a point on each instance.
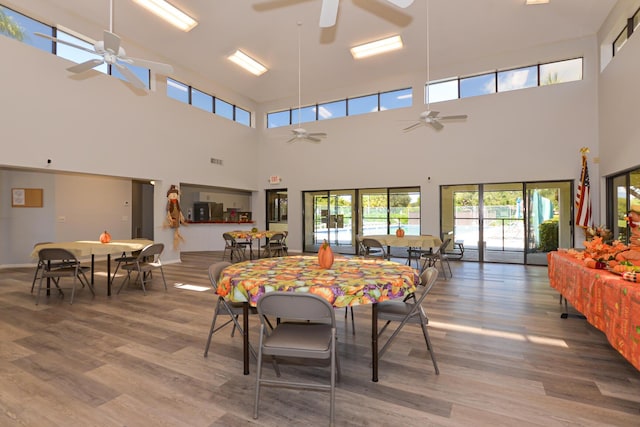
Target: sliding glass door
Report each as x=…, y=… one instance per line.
x=508, y=222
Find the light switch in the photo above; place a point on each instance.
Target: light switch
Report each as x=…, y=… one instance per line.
x=62, y=219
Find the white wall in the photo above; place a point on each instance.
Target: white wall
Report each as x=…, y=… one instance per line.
x=524, y=135
x=94, y=124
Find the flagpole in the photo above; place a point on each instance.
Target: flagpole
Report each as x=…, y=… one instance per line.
x=583, y=195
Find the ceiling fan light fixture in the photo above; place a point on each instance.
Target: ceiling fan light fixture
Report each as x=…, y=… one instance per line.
x=248, y=63
x=376, y=47
x=169, y=13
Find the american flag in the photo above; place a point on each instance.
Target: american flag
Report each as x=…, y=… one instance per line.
x=583, y=199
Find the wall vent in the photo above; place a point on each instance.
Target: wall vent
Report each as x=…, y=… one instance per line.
x=216, y=161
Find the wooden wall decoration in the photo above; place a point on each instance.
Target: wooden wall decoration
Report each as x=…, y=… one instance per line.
x=26, y=197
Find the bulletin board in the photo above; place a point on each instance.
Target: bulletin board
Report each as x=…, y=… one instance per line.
x=26, y=197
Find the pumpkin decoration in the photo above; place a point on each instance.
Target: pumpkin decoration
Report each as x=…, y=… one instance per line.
x=325, y=255
x=400, y=232
x=105, y=237
x=254, y=230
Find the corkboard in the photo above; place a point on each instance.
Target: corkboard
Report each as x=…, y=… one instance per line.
x=26, y=197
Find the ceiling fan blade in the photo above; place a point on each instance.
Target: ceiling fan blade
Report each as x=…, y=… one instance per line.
x=156, y=67
x=458, y=117
x=329, y=13
x=292, y=139
x=65, y=42
x=436, y=124
x=131, y=77
x=318, y=134
x=313, y=139
x=85, y=66
x=401, y=3
x=111, y=42
x=413, y=126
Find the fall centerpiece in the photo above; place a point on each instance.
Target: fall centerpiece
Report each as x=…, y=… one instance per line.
x=105, y=237
x=325, y=255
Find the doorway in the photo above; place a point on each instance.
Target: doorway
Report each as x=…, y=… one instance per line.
x=508, y=222
x=277, y=210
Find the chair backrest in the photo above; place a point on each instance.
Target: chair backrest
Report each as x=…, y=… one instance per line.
x=443, y=247
x=299, y=306
x=55, y=254
x=229, y=240
x=427, y=279
x=369, y=243
x=214, y=273
x=276, y=239
x=153, y=250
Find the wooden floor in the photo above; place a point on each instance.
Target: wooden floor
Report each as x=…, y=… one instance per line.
x=506, y=359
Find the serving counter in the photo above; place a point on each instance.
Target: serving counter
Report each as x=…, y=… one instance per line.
x=608, y=302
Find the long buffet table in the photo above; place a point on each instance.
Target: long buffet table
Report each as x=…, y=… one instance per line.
x=608, y=302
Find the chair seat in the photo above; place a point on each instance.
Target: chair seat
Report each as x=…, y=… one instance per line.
x=299, y=340
x=64, y=271
x=396, y=311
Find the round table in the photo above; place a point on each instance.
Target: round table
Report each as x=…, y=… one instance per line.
x=349, y=281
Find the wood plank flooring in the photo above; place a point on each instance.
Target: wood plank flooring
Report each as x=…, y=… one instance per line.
x=506, y=358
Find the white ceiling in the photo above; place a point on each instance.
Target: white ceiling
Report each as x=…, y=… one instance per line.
x=267, y=30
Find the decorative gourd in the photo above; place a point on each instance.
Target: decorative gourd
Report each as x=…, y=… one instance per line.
x=400, y=232
x=325, y=255
x=105, y=237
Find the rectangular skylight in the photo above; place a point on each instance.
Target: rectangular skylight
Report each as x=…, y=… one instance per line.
x=377, y=47
x=169, y=13
x=248, y=63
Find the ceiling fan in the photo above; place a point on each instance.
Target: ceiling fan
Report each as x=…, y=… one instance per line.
x=329, y=10
x=429, y=117
x=300, y=134
x=112, y=53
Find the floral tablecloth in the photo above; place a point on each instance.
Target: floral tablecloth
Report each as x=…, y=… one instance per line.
x=350, y=281
x=609, y=303
x=248, y=234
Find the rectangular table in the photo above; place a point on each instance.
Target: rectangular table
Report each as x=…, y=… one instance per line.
x=250, y=236
x=84, y=248
x=349, y=281
x=608, y=302
x=424, y=242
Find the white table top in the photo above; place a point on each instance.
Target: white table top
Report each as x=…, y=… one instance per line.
x=82, y=248
x=423, y=241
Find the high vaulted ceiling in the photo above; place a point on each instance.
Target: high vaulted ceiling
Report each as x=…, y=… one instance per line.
x=267, y=30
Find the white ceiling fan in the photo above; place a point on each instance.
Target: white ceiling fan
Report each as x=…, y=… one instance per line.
x=300, y=134
x=429, y=117
x=113, y=54
x=329, y=10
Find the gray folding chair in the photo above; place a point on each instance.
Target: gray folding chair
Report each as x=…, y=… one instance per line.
x=307, y=331
x=232, y=246
x=439, y=256
x=55, y=263
x=275, y=245
x=373, y=248
x=148, y=260
x=225, y=307
x=409, y=310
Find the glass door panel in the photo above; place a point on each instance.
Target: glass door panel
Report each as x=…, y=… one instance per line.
x=341, y=230
x=404, y=210
x=503, y=223
x=373, y=211
x=549, y=219
x=316, y=219
x=460, y=215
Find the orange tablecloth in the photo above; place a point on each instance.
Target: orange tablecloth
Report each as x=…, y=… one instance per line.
x=609, y=303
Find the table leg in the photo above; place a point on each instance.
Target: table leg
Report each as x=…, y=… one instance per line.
x=245, y=337
x=109, y=275
x=374, y=342
x=93, y=260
